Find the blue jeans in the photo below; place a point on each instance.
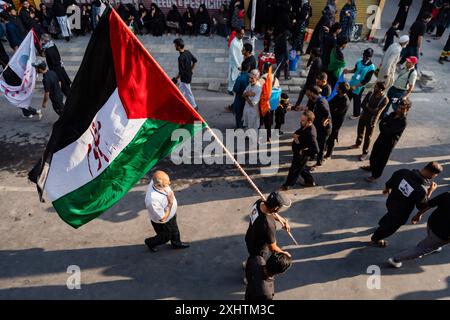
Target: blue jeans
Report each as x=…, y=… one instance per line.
x=394, y=95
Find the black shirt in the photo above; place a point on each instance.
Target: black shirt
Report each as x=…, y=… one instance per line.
x=417, y=29
x=259, y=285
x=261, y=231
x=307, y=140
x=316, y=68
x=326, y=91
x=248, y=64
x=439, y=221
x=408, y=189
x=185, y=62
x=338, y=108
x=321, y=110
x=51, y=85
x=390, y=34
x=328, y=46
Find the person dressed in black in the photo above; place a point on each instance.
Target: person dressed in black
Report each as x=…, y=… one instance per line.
x=29, y=19
x=405, y=189
x=203, y=21
x=427, y=7
x=322, y=83
x=154, y=21
x=282, y=19
x=438, y=231
x=188, y=24
x=260, y=238
x=372, y=106
x=281, y=110
x=54, y=63
x=402, y=13
x=390, y=35
x=322, y=27
x=339, y=105
x=260, y=276
x=302, y=23
x=322, y=121
x=391, y=129
x=52, y=88
x=249, y=62
x=281, y=54
x=416, y=36
x=314, y=70
x=173, y=20
x=304, y=147
x=329, y=43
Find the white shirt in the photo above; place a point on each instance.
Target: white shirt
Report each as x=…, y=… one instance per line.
x=405, y=77
x=156, y=202
x=256, y=89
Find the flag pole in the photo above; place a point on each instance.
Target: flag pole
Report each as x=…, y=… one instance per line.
x=238, y=166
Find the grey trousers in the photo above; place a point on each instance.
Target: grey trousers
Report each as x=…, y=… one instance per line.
x=186, y=90
x=424, y=247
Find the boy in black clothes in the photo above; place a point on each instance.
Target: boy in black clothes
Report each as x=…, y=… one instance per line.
x=281, y=110
x=390, y=35
x=260, y=275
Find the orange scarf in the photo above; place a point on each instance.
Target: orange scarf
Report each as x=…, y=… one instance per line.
x=266, y=92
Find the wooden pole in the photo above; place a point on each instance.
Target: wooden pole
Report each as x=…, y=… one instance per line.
x=250, y=181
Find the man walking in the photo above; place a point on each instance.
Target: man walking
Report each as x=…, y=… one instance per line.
x=405, y=189
x=339, y=105
x=235, y=58
x=52, y=88
x=314, y=70
x=388, y=65
x=391, y=129
x=260, y=240
x=304, y=147
x=438, y=229
x=322, y=121
x=403, y=86
x=416, y=34
x=54, y=62
x=186, y=65
x=362, y=73
x=162, y=208
x=372, y=106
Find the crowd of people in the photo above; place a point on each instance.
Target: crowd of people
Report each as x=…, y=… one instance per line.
x=329, y=97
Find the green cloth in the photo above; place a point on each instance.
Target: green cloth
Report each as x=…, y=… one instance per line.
x=335, y=67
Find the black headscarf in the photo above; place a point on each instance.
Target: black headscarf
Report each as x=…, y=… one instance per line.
x=202, y=17
x=173, y=14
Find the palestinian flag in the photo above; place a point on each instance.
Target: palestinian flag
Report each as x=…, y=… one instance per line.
x=117, y=124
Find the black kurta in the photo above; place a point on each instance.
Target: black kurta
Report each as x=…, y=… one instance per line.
x=402, y=14
x=54, y=63
x=427, y=6
x=391, y=129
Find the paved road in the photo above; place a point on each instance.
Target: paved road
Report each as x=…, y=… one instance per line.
x=332, y=222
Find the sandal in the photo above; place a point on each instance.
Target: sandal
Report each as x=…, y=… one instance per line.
x=379, y=244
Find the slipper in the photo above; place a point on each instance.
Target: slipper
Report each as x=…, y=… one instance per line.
x=379, y=244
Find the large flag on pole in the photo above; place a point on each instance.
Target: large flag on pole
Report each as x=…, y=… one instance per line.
x=19, y=78
x=117, y=124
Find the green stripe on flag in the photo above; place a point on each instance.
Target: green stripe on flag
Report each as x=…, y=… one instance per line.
x=151, y=144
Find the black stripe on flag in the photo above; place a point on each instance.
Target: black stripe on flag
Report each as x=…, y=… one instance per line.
x=93, y=85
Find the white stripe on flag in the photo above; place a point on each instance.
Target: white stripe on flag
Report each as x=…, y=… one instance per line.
x=20, y=63
x=83, y=160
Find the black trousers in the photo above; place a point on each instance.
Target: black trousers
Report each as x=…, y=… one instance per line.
x=284, y=66
x=356, y=102
x=165, y=232
x=386, y=228
x=331, y=142
x=29, y=111
x=298, y=169
x=267, y=121
x=322, y=138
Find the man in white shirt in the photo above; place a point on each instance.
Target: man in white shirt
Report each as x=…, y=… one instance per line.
x=235, y=59
x=403, y=86
x=252, y=95
x=162, y=208
x=389, y=62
